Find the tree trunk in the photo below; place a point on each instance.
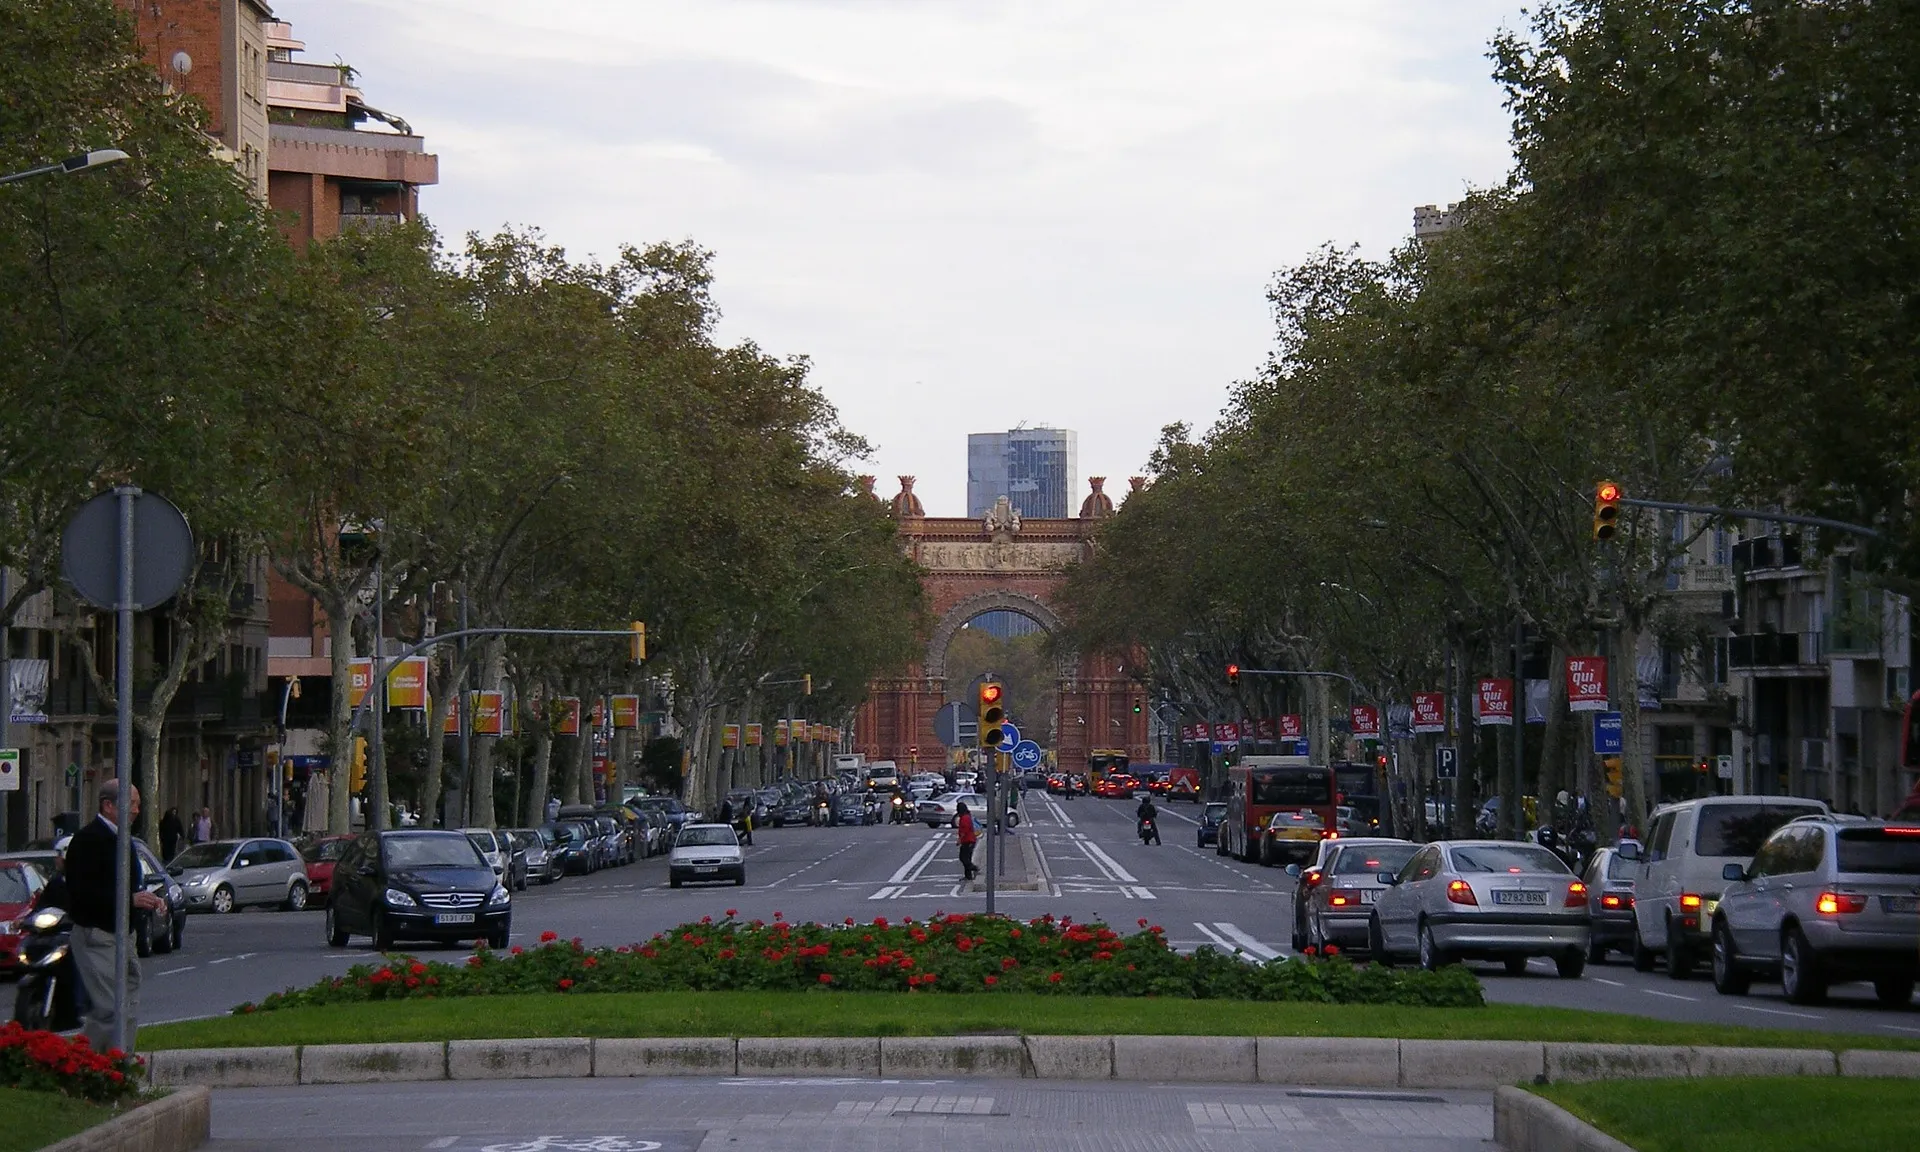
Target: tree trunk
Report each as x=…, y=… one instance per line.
x=445, y=688
x=1626, y=647
x=534, y=811
x=1553, y=742
x=480, y=805
x=339, y=738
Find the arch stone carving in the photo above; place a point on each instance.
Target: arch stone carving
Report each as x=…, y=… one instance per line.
x=978, y=605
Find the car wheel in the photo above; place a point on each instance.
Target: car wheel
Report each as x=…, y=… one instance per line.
x=143, y=939
x=1679, y=956
x=179, y=931
x=1299, y=940
x=740, y=881
x=1643, y=956
x=498, y=939
x=1729, y=979
x=1516, y=965
x=336, y=936
x=1219, y=846
x=164, y=942
x=382, y=933
x=1432, y=956
x=1894, y=991
x=673, y=881
x=933, y=824
x=1800, y=975
x=223, y=900
x=296, y=897
x=1570, y=964
x=1596, y=951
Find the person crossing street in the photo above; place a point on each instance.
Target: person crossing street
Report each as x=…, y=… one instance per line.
x=968, y=835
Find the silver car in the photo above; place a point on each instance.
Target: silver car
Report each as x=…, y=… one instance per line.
x=1337, y=895
x=489, y=846
x=1826, y=899
x=1482, y=900
x=941, y=810
x=228, y=875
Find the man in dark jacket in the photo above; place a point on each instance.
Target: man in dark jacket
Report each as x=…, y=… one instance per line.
x=172, y=831
x=90, y=883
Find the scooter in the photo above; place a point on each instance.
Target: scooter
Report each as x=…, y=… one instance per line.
x=49, y=996
x=1149, y=831
x=898, y=813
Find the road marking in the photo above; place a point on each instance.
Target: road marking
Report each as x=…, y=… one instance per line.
x=1671, y=995
x=1609, y=983
x=1777, y=1012
x=815, y=864
x=1901, y=1028
x=1215, y=937
x=1145, y=894
x=443, y=1142
x=907, y=871
x=1247, y=942
x=1105, y=862
x=171, y=971
x=887, y=893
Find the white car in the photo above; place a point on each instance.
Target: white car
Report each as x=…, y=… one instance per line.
x=940, y=810
x=483, y=839
x=705, y=853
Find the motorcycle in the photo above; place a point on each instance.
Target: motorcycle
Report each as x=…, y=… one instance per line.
x=50, y=996
x=1149, y=830
x=898, y=813
x=1566, y=848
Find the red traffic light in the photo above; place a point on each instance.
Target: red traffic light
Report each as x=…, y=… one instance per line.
x=1609, y=491
x=989, y=693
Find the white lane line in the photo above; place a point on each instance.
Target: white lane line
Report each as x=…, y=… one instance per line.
x=815, y=864
x=905, y=871
x=1145, y=894
x=887, y=893
x=1609, y=983
x=939, y=841
x=443, y=1142
x=1225, y=944
x=1901, y=1028
x=1100, y=858
x=183, y=968
x=1671, y=995
x=1777, y=1012
x=1247, y=942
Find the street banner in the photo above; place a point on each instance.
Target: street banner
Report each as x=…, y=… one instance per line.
x=569, y=717
x=1265, y=729
x=489, y=711
x=819, y=733
x=1606, y=734
x=1186, y=733
x=753, y=735
x=1586, y=683
x=1539, y=692
x=599, y=713
x=730, y=736
x=1366, y=721
x=359, y=680
x=1292, y=727
x=1228, y=733
x=407, y=684
x=779, y=733
x=9, y=769
x=626, y=711
x=453, y=716
x=30, y=681
x=1493, y=702
x=1429, y=713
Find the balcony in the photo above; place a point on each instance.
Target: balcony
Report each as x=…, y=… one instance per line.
x=1772, y=555
x=370, y=221
x=306, y=73
x=1778, y=653
x=372, y=156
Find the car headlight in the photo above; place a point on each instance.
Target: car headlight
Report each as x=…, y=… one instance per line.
x=46, y=920
x=499, y=897
x=7, y=928
x=176, y=893
x=399, y=899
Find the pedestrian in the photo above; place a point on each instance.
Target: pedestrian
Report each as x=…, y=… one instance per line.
x=172, y=831
x=273, y=816
x=968, y=836
x=203, y=826
x=91, y=888
x=746, y=825
x=553, y=809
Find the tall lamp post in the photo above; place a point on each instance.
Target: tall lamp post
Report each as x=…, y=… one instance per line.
x=98, y=158
x=279, y=792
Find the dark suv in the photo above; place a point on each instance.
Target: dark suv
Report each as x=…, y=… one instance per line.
x=416, y=884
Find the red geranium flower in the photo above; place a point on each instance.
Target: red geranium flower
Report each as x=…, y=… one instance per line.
x=1333, y=950
x=826, y=977
x=549, y=937
x=1054, y=979
x=565, y=984
x=992, y=980
x=732, y=912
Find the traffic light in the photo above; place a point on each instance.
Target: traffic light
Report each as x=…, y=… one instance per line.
x=358, y=781
x=1233, y=675
x=1136, y=708
x=993, y=714
x=806, y=683
x=1606, y=511
x=637, y=646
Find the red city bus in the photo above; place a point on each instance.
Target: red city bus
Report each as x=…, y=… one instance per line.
x=1292, y=788
x=1910, y=757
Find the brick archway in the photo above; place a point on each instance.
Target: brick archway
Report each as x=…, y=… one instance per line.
x=999, y=563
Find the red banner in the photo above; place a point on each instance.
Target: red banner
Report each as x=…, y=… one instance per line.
x=1493, y=702
x=1265, y=729
x=1227, y=733
x=1586, y=683
x=1292, y=727
x=569, y=724
x=1429, y=713
x=1366, y=721
x=1186, y=733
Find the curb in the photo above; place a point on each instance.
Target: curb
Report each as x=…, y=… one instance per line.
x=1523, y=1122
x=1304, y=1060
x=177, y=1122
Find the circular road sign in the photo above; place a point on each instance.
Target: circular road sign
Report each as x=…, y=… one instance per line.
x=1010, y=736
x=1026, y=755
x=163, y=553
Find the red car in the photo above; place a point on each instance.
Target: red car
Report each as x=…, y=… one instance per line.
x=321, y=856
x=20, y=882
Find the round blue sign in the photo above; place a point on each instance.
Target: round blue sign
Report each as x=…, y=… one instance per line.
x=1026, y=755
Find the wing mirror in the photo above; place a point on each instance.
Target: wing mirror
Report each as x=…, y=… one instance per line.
x=1293, y=870
x=1733, y=872
x=367, y=870
x=1390, y=879
x=1630, y=852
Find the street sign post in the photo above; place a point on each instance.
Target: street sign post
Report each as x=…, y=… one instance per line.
x=9, y=769
x=1026, y=755
x=956, y=724
x=1606, y=734
x=1446, y=763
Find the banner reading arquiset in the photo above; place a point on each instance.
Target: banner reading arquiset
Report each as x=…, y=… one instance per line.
x=1366, y=721
x=1493, y=702
x=1292, y=727
x=1265, y=729
x=1586, y=683
x=1429, y=713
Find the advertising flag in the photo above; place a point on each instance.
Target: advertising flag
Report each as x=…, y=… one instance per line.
x=1429, y=713
x=1366, y=721
x=1586, y=683
x=489, y=711
x=626, y=711
x=453, y=715
x=753, y=735
x=1265, y=729
x=1292, y=727
x=730, y=736
x=1493, y=702
x=569, y=716
x=1228, y=733
x=779, y=733
x=359, y=680
x=407, y=684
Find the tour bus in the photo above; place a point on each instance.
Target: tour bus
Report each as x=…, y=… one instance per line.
x=1910, y=757
x=1102, y=762
x=1278, y=808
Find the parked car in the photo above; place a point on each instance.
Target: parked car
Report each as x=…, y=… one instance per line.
x=677, y=814
x=20, y=881
x=570, y=849
x=1482, y=900
x=1688, y=847
x=417, y=884
x=534, y=851
x=228, y=875
x=939, y=811
x=1210, y=818
x=1335, y=898
x=1609, y=881
x=321, y=855
x=490, y=850
x=593, y=851
x=613, y=833
x=1825, y=900
x=795, y=807
x=516, y=856
x=158, y=929
x=706, y=852
x=653, y=832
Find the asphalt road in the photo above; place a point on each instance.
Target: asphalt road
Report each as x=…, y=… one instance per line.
x=896, y=1116
x=1096, y=869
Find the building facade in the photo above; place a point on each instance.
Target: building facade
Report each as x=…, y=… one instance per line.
x=1036, y=469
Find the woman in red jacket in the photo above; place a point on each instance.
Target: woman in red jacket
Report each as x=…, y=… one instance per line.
x=969, y=836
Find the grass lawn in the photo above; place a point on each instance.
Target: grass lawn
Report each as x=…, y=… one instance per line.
x=1748, y=1114
x=37, y=1119
x=945, y=1014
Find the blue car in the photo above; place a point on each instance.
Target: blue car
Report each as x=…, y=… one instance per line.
x=1210, y=819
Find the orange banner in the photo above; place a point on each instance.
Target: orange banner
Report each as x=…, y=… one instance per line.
x=569, y=716
x=359, y=680
x=779, y=733
x=453, y=717
x=626, y=711
x=730, y=736
x=489, y=710
x=753, y=735
x=407, y=684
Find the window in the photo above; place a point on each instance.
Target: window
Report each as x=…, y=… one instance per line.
x=1662, y=836
x=1374, y=860
x=1769, y=860
x=1422, y=867
x=1502, y=858
x=1740, y=829
x=1293, y=786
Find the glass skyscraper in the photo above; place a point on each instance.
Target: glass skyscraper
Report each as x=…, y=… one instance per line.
x=1035, y=468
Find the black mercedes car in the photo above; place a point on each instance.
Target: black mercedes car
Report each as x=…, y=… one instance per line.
x=416, y=884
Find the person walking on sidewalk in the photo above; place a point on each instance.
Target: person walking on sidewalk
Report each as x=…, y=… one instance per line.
x=90, y=881
x=968, y=836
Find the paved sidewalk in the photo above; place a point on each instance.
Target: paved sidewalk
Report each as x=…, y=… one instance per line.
x=670, y=1115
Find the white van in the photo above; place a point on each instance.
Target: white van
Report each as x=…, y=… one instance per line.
x=1688, y=846
x=882, y=776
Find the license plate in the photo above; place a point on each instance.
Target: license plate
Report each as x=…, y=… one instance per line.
x=1369, y=895
x=1511, y=896
x=707, y=868
x=453, y=918
x=1906, y=904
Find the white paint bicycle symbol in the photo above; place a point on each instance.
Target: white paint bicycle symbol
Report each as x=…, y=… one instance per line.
x=577, y=1144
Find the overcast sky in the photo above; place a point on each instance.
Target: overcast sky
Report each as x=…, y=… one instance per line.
x=969, y=214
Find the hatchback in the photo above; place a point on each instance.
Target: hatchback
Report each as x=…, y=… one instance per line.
x=1335, y=898
x=228, y=875
x=706, y=852
x=417, y=884
x=1482, y=900
x=1825, y=900
x=1609, y=880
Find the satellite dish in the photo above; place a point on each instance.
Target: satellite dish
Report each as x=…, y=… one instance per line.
x=182, y=63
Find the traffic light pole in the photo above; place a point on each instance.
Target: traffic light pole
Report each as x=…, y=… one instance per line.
x=1751, y=514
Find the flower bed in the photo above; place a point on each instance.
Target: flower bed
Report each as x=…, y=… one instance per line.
x=49, y=1062
x=970, y=953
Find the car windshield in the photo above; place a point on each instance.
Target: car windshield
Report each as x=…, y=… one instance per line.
x=1505, y=858
x=432, y=852
x=1879, y=850
x=1620, y=868
x=1372, y=859
x=204, y=855
x=698, y=836
x=1215, y=813
x=327, y=850
x=14, y=888
x=1740, y=829
x=483, y=841
x=1292, y=786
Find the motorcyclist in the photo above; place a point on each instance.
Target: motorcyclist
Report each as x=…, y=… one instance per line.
x=1147, y=814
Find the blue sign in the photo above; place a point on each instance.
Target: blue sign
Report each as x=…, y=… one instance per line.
x=1446, y=763
x=1606, y=734
x=1010, y=737
x=1026, y=755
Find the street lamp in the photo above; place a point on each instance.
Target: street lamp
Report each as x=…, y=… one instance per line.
x=97, y=158
x=279, y=791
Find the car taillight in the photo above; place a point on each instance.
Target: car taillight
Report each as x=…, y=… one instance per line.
x=1329, y=835
x=1312, y=877
x=1836, y=903
x=1576, y=895
x=1615, y=900
x=1690, y=901
x=1343, y=898
x=1461, y=892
